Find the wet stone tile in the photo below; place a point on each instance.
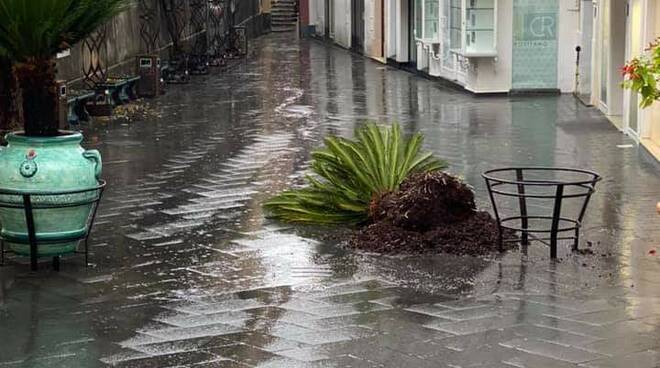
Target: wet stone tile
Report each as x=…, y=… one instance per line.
x=623, y=345
x=475, y=313
x=188, y=320
x=272, y=344
x=564, y=325
x=182, y=333
x=187, y=265
x=347, y=309
x=473, y=325
x=553, y=335
x=552, y=350
x=607, y=316
x=382, y=357
x=332, y=336
x=185, y=359
x=230, y=305
x=243, y=353
x=428, y=309
x=280, y=329
x=641, y=359
x=309, y=354
x=522, y=359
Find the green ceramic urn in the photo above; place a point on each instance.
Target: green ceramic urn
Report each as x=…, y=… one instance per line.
x=47, y=165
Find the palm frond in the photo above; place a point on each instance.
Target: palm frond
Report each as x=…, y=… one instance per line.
x=41, y=28
x=349, y=174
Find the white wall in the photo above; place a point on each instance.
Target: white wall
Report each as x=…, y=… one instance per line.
x=402, y=49
x=650, y=117
x=370, y=27
x=317, y=15
x=390, y=28
x=375, y=29
x=490, y=75
x=585, y=36
x=569, y=38
x=617, y=56
x=343, y=22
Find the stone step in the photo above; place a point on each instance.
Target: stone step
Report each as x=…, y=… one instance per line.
x=285, y=20
x=282, y=11
x=284, y=25
x=283, y=28
x=286, y=15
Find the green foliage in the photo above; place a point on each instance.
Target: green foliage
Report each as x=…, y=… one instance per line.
x=38, y=29
x=350, y=174
x=643, y=73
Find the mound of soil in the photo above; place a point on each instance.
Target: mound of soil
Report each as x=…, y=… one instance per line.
x=426, y=201
x=431, y=213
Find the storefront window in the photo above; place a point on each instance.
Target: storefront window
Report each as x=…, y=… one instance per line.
x=419, y=6
x=427, y=20
x=431, y=14
x=445, y=18
x=455, y=30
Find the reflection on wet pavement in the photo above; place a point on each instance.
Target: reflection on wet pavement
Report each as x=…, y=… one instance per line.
x=187, y=272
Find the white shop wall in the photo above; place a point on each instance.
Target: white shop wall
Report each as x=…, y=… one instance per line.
x=372, y=29
x=492, y=75
x=569, y=38
x=496, y=75
x=317, y=15
x=390, y=28
x=342, y=19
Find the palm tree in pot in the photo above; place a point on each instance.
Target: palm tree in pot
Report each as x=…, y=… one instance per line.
x=42, y=158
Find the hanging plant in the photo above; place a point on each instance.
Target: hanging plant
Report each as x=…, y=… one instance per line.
x=642, y=75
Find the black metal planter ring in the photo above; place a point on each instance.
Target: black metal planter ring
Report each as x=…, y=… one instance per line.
x=34, y=201
x=515, y=182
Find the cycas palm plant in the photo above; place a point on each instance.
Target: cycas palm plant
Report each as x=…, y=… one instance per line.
x=31, y=33
x=350, y=176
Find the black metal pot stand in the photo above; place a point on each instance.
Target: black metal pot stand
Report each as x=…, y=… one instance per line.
x=32, y=202
x=551, y=203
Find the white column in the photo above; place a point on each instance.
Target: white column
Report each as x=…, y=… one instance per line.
x=402, y=31
x=390, y=29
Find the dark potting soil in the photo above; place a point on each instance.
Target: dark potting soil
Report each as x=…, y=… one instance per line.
x=476, y=235
x=426, y=201
x=431, y=213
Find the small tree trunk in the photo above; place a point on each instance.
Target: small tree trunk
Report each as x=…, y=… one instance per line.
x=38, y=89
x=7, y=89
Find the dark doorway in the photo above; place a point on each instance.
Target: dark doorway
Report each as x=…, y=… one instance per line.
x=327, y=18
x=357, y=25
x=412, y=22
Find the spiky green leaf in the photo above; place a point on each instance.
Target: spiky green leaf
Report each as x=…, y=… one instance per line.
x=349, y=174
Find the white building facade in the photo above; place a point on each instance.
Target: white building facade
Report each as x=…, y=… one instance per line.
x=615, y=31
x=509, y=46
x=355, y=24
x=486, y=46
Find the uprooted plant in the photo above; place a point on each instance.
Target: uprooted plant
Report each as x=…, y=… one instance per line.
x=401, y=195
x=351, y=176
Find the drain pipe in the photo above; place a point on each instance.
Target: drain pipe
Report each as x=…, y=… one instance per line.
x=578, y=49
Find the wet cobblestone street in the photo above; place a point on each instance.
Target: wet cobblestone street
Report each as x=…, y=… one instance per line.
x=186, y=271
